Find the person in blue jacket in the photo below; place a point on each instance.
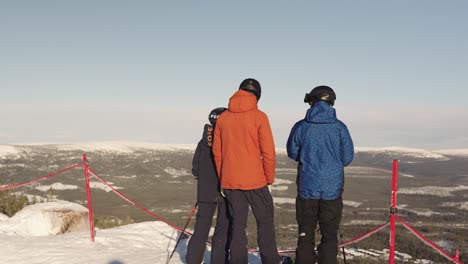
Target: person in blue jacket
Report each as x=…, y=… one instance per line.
x=322, y=146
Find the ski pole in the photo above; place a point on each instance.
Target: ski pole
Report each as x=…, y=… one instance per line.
x=183, y=232
x=342, y=248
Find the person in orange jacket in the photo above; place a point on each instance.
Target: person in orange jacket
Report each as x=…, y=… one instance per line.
x=245, y=158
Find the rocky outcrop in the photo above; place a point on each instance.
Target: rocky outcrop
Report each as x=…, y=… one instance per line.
x=44, y=219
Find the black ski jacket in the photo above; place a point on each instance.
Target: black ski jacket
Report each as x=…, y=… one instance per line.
x=203, y=168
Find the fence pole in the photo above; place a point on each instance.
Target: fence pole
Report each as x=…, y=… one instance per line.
x=393, y=210
x=88, y=193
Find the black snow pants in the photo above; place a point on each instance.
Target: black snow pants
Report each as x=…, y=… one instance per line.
x=327, y=213
x=261, y=202
x=197, y=244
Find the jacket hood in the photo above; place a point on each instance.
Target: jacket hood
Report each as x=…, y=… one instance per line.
x=242, y=101
x=321, y=112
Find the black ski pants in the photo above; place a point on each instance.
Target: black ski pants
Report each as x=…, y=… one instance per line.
x=261, y=202
x=326, y=213
x=197, y=244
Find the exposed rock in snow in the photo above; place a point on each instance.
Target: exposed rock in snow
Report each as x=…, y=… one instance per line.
x=45, y=219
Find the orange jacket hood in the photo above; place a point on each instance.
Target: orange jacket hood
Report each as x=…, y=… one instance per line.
x=242, y=101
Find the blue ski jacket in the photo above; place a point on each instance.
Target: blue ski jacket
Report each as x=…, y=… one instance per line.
x=323, y=146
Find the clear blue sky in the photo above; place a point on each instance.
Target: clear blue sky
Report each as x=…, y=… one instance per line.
x=152, y=70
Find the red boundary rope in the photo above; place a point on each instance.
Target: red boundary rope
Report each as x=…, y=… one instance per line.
x=365, y=235
x=138, y=205
x=354, y=240
x=427, y=241
x=39, y=179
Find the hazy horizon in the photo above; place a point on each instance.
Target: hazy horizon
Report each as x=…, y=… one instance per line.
x=151, y=72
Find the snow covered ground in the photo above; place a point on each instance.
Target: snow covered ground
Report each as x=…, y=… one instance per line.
x=147, y=242
x=433, y=190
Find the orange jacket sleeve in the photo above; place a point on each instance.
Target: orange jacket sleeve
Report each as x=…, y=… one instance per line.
x=267, y=148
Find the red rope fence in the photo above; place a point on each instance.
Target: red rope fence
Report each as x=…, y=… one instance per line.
x=454, y=259
x=39, y=179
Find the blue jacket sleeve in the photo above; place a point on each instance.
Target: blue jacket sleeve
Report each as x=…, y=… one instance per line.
x=347, y=147
x=293, y=145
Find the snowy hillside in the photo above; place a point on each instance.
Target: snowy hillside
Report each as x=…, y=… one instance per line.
x=403, y=152
x=454, y=152
x=146, y=242
x=116, y=147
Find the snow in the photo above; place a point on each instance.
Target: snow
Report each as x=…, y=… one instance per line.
x=57, y=186
x=279, y=188
x=175, y=173
x=282, y=181
x=352, y=203
x=363, y=222
x=286, y=170
x=453, y=152
x=126, y=177
x=141, y=243
x=44, y=219
x=3, y=218
x=425, y=212
x=409, y=152
x=123, y=147
x=461, y=205
x=7, y=151
x=433, y=190
x=102, y=186
x=282, y=200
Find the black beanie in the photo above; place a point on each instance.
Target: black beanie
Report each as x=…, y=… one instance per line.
x=252, y=86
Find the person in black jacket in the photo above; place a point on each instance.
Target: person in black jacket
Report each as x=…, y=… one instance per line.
x=209, y=199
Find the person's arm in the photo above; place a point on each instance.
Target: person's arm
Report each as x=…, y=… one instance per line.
x=347, y=147
x=293, y=145
x=217, y=148
x=267, y=148
x=196, y=161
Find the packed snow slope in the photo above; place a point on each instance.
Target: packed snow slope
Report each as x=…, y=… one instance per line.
x=146, y=242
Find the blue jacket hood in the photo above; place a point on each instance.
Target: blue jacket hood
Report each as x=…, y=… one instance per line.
x=321, y=113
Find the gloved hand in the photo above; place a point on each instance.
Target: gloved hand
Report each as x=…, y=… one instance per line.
x=269, y=187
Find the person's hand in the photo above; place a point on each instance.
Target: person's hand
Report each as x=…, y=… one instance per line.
x=269, y=187
x=222, y=193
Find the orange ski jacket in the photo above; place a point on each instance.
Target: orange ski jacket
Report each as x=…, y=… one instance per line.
x=243, y=145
